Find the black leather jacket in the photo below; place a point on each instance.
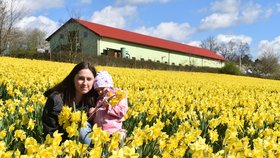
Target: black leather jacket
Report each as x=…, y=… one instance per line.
x=51, y=111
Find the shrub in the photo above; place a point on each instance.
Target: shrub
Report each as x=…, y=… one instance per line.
x=230, y=68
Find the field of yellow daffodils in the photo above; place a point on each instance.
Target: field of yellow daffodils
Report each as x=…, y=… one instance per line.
x=171, y=114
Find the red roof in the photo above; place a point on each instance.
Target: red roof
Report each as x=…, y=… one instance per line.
x=123, y=35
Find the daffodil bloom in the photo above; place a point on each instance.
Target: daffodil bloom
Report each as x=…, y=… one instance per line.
x=7, y=154
x=55, y=140
x=98, y=136
x=31, y=124
x=130, y=152
x=117, y=97
x=72, y=120
x=72, y=130
x=213, y=135
x=69, y=147
x=1, y=115
x=2, y=146
x=96, y=152
x=20, y=134
x=125, y=152
x=17, y=153
x=30, y=109
x=22, y=111
x=138, y=137
x=65, y=116
x=114, y=144
x=31, y=146
x=3, y=134
x=76, y=117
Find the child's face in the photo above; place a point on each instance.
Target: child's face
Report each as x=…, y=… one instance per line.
x=101, y=90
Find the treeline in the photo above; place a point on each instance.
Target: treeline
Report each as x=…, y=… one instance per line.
x=229, y=68
x=110, y=61
x=237, y=52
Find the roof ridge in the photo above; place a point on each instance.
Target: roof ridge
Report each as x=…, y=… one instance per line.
x=138, y=38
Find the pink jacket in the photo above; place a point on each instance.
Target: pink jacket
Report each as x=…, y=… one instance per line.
x=110, y=119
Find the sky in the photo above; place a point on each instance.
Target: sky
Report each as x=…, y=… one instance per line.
x=256, y=22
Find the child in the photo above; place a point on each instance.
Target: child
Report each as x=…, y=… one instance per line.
x=111, y=105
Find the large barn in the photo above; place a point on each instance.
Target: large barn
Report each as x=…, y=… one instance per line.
x=91, y=38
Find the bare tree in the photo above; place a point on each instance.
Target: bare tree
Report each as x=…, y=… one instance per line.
x=242, y=49
x=9, y=15
x=268, y=62
x=234, y=50
x=211, y=44
x=227, y=50
x=74, y=13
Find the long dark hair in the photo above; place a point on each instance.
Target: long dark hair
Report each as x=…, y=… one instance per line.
x=67, y=86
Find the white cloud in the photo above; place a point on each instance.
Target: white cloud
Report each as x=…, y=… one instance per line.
x=273, y=45
x=216, y=21
x=195, y=43
x=41, y=22
x=226, y=6
x=250, y=13
x=35, y=5
x=115, y=17
x=168, y=30
x=227, y=38
x=227, y=13
x=135, y=2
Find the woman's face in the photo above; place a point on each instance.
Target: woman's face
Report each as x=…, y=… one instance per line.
x=83, y=81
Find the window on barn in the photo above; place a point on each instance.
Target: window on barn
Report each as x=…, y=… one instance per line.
x=85, y=34
x=61, y=36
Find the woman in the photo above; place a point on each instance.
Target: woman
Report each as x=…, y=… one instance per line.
x=76, y=88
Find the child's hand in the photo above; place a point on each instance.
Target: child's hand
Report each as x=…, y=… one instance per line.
x=91, y=110
x=105, y=104
x=107, y=99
